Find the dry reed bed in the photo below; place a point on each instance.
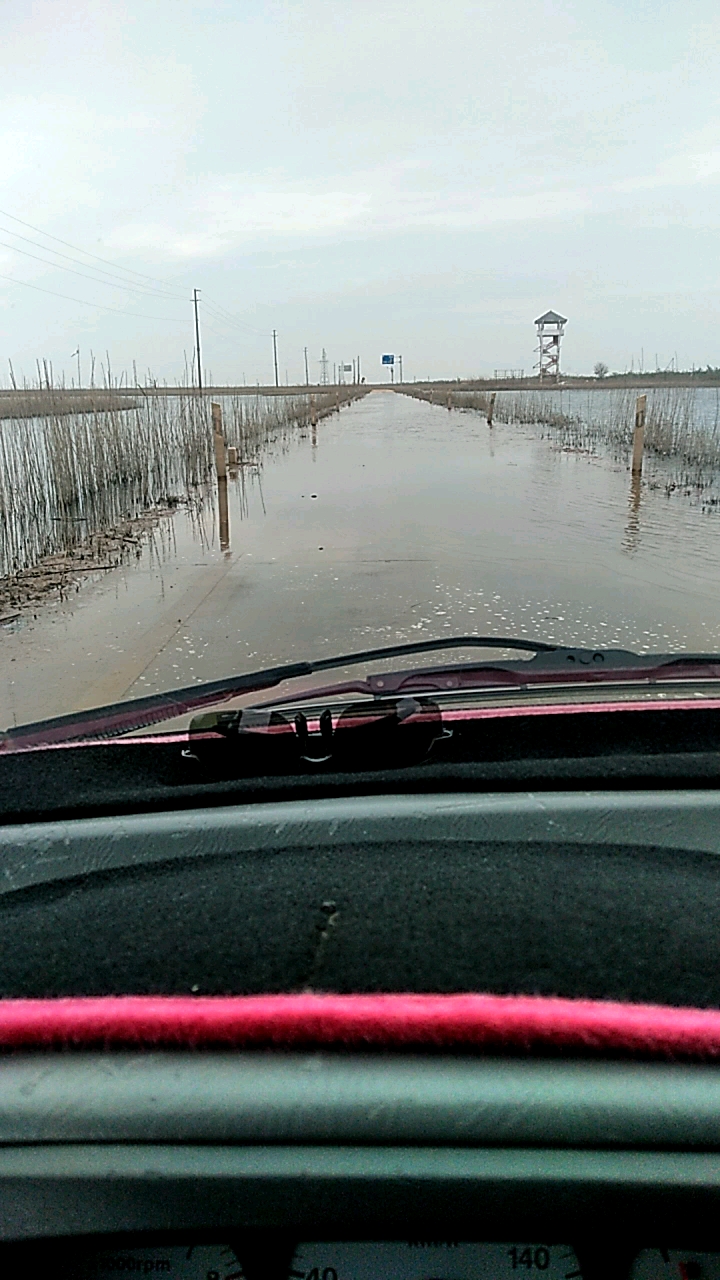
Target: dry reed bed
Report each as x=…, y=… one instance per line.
x=682, y=427
x=254, y=424
x=62, y=573
x=36, y=402
x=67, y=476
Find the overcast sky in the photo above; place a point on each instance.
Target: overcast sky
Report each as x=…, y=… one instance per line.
x=419, y=177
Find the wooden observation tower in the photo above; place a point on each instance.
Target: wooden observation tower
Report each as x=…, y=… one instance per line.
x=550, y=329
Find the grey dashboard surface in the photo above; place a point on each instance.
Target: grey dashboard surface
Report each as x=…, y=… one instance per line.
x=260, y=1097
x=37, y=853
x=79, y=1189
x=612, y=895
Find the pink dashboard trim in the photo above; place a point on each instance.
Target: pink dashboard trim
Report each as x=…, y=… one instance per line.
x=389, y=1021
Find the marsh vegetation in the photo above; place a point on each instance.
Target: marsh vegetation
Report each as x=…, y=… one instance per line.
x=77, y=467
x=682, y=434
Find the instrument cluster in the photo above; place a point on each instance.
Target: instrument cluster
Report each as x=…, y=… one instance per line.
x=369, y=1260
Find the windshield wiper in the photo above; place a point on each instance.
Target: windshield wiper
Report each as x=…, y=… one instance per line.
x=118, y=718
x=600, y=666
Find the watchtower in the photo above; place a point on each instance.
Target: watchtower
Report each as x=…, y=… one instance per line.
x=550, y=329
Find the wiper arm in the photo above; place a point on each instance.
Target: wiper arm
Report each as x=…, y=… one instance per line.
x=561, y=668
x=118, y=718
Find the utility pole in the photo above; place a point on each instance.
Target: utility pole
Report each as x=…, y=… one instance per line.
x=77, y=353
x=197, y=342
x=307, y=374
x=277, y=380
x=400, y=359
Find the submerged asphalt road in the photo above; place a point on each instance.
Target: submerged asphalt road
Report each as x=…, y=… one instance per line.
x=401, y=521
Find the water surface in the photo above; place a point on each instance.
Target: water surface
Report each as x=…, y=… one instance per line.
x=395, y=520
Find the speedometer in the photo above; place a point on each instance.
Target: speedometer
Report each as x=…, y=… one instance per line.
x=177, y=1262
x=433, y=1260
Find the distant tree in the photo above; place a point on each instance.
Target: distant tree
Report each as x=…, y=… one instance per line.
x=601, y=369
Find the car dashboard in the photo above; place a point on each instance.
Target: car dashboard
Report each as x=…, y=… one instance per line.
x=204, y=1258
x=344, y=1160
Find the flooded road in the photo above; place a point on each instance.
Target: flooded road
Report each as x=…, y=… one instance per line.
x=403, y=521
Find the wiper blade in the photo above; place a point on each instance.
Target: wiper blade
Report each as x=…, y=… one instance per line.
x=598, y=667
x=118, y=718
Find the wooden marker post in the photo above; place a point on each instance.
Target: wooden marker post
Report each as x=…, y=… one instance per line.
x=639, y=437
x=491, y=408
x=313, y=411
x=219, y=442
x=221, y=468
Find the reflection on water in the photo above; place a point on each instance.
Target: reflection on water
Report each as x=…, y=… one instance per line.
x=631, y=538
x=223, y=516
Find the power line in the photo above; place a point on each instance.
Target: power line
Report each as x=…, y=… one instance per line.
x=88, y=254
x=95, y=279
x=226, y=337
x=116, y=281
x=125, y=283
x=99, y=306
x=233, y=324
x=230, y=314
x=261, y=333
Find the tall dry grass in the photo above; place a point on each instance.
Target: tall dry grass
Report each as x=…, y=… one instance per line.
x=682, y=425
x=39, y=402
x=65, y=477
x=68, y=472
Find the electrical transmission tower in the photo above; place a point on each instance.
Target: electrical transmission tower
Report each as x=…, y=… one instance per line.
x=324, y=368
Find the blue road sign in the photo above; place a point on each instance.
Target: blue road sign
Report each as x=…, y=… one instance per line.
x=388, y=359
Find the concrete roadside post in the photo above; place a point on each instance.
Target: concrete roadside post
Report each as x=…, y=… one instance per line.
x=221, y=468
x=219, y=441
x=639, y=436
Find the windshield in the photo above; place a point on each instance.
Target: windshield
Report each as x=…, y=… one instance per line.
x=334, y=328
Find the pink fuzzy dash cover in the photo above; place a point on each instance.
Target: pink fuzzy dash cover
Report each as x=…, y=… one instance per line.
x=395, y=1021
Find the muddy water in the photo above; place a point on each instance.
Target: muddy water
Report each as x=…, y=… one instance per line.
x=401, y=521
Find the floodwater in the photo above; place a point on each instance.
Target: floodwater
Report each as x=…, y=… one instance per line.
x=395, y=520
